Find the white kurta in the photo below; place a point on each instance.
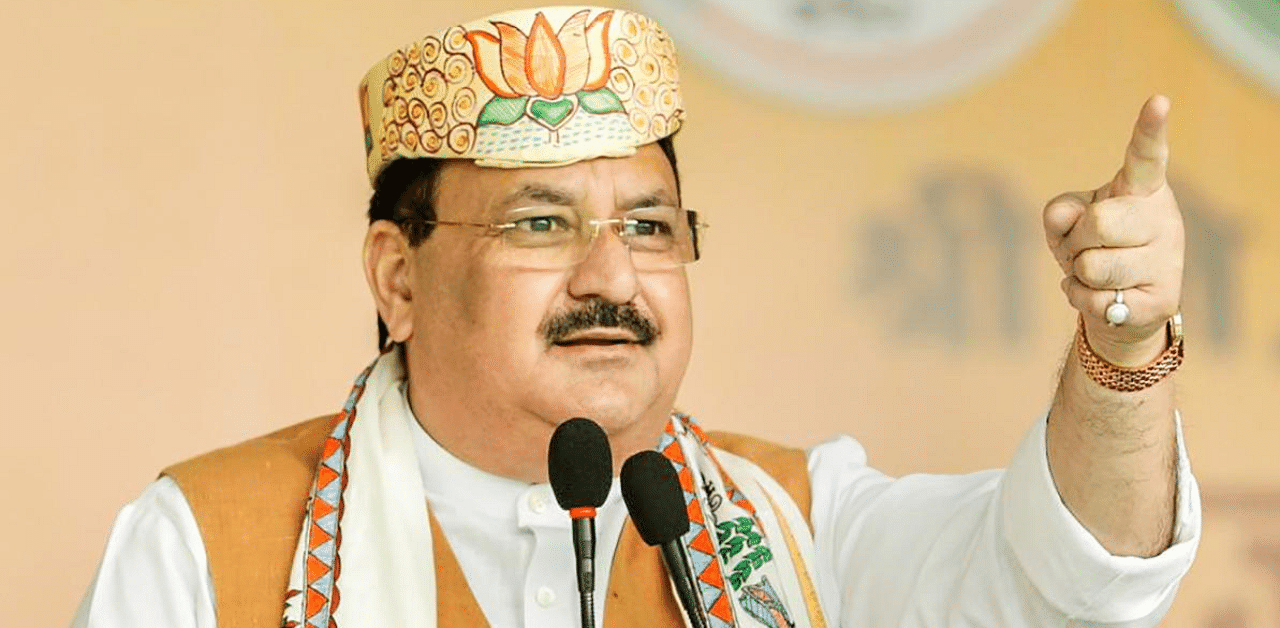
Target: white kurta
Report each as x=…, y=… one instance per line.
x=994, y=548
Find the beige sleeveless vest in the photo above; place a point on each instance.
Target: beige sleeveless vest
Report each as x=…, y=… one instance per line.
x=249, y=501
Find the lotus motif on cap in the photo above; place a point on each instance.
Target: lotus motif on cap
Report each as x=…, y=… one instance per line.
x=546, y=75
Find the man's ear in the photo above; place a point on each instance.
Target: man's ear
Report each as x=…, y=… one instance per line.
x=387, y=256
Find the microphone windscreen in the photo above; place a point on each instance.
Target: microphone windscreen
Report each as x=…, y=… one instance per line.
x=580, y=464
x=654, y=498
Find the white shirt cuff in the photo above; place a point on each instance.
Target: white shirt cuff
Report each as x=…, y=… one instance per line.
x=1068, y=566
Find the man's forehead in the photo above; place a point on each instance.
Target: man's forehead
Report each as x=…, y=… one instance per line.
x=561, y=193
x=636, y=181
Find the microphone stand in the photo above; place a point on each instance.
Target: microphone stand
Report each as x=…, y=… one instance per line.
x=584, y=548
x=677, y=562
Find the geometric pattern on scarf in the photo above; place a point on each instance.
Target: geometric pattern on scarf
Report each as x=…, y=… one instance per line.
x=324, y=511
x=709, y=557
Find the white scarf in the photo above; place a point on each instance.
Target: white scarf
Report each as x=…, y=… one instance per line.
x=364, y=556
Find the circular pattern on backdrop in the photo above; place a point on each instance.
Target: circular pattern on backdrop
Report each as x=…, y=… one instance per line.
x=857, y=54
x=1247, y=32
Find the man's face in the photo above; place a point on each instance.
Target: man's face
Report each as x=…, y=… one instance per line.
x=519, y=350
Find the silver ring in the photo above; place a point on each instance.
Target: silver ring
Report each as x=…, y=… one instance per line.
x=1117, y=313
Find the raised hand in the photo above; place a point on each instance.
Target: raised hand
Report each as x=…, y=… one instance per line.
x=1126, y=235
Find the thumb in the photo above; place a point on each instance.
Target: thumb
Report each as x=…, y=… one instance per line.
x=1060, y=217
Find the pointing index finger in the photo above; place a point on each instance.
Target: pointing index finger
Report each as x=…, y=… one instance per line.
x=1147, y=156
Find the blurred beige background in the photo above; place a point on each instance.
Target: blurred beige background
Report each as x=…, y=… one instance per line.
x=183, y=208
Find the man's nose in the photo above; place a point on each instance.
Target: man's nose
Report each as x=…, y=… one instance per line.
x=607, y=271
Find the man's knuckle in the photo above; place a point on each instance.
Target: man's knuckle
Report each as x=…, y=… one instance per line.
x=1092, y=268
x=1109, y=233
x=1114, y=275
x=1110, y=221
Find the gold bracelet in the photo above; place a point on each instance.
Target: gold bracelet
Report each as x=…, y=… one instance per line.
x=1125, y=379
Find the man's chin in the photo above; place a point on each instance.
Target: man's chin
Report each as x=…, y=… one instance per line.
x=615, y=387
x=616, y=414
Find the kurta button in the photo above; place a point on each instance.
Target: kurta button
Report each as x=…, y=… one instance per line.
x=546, y=597
x=537, y=503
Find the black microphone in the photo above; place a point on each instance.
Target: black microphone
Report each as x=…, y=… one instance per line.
x=580, y=466
x=652, y=492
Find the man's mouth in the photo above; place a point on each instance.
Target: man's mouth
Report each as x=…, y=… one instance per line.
x=597, y=338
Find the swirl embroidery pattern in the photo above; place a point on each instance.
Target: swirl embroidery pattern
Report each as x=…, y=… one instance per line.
x=495, y=89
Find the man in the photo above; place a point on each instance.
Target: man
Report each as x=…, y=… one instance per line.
x=526, y=255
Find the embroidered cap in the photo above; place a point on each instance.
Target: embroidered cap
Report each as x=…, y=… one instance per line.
x=545, y=87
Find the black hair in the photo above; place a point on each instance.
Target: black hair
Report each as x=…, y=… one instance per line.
x=405, y=193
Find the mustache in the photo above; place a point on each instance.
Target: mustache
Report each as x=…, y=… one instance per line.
x=600, y=313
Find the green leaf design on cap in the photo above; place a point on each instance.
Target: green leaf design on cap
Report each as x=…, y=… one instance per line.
x=552, y=112
x=602, y=100
x=501, y=110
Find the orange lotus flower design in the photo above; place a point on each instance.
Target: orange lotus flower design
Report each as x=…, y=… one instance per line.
x=546, y=75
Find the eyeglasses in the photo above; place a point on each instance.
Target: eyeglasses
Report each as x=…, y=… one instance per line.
x=554, y=237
